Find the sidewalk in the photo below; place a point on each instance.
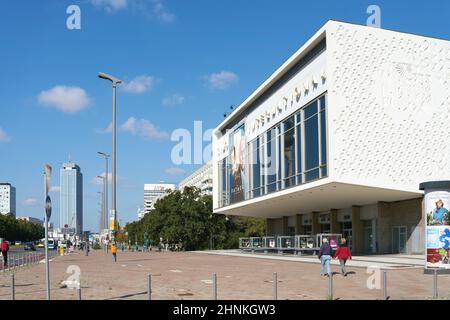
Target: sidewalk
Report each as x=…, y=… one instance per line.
x=188, y=275
x=388, y=261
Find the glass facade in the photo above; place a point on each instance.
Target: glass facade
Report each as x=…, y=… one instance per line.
x=71, y=197
x=290, y=153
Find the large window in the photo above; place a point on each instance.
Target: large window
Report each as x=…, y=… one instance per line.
x=270, y=163
x=223, y=183
x=323, y=137
x=290, y=153
x=311, y=140
x=255, y=169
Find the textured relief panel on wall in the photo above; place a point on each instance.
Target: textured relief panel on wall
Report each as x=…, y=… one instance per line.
x=391, y=101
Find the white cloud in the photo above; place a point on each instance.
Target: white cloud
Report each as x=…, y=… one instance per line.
x=139, y=84
x=175, y=171
x=55, y=189
x=30, y=202
x=221, y=80
x=143, y=128
x=108, y=129
x=161, y=13
x=173, y=100
x=4, y=136
x=110, y=5
x=64, y=98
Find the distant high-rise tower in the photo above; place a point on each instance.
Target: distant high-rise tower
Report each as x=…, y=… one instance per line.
x=71, y=197
x=7, y=199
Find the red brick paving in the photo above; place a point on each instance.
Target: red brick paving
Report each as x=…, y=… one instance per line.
x=188, y=276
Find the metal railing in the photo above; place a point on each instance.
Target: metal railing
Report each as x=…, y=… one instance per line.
x=17, y=260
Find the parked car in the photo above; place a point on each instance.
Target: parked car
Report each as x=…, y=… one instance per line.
x=17, y=243
x=29, y=246
x=40, y=245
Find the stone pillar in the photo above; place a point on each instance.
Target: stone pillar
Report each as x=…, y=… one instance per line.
x=285, y=225
x=270, y=227
x=298, y=224
x=315, y=223
x=384, y=230
x=334, y=224
x=357, y=231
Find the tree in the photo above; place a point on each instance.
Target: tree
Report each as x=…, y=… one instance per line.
x=185, y=220
x=13, y=229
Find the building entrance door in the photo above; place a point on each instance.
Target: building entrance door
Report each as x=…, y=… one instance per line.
x=368, y=234
x=399, y=239
x=346, y=228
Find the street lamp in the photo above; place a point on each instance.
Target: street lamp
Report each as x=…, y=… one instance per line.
x=104, y=218
x=115, y=82
x=105, y=212
x=102, y=213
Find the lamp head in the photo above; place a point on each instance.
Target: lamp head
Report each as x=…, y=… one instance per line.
x=105, y=76
x=103, y=154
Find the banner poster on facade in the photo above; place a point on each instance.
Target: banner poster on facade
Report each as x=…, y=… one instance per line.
x=237, y=165
x=437, y=206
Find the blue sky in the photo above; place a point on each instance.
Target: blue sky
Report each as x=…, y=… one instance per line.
x=180, y=60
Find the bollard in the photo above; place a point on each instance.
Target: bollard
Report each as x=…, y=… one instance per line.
x=385, y=296
x=435, y=284
x=330, y=287
x=13, y=288
x=275, y=286
x=79, y=292
x=149, y=287
x=214, y=286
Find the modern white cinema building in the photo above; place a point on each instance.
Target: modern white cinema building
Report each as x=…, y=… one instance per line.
x=338, y=139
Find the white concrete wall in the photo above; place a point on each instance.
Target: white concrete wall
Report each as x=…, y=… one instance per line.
x=388, y=107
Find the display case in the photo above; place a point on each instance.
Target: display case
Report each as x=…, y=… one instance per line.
x=333, y=239
x=285, y=242
x=269, y=242
x=244, y=243
x=256, y=242
x=305, y=242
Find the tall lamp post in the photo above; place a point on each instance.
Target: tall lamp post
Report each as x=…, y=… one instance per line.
x=105, y=212
x=102, y=207
x=48, y=213
x=104, y=215
x=113, y=215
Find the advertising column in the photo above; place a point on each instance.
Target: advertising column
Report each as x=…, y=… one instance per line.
x=437, y=219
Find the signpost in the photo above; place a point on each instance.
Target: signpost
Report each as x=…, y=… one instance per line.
x=48, y=214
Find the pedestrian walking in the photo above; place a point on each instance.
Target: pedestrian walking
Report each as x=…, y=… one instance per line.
x=4, y=247
x=343, y=254
x=325, y=254
x=114, y=251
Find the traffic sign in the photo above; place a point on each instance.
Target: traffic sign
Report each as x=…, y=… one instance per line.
x=48, y=207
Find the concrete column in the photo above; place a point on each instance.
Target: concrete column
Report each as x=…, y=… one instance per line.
x=334, y=224
x=315, y=223
x=270, y=227
x=384, y=230
x=357, y=231
x=298, y=224
x=285, y=225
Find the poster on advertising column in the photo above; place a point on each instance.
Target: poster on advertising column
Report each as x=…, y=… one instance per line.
x=237, y=164
x=437, y=206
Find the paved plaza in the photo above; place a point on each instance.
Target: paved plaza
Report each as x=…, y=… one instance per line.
x=188, y=275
